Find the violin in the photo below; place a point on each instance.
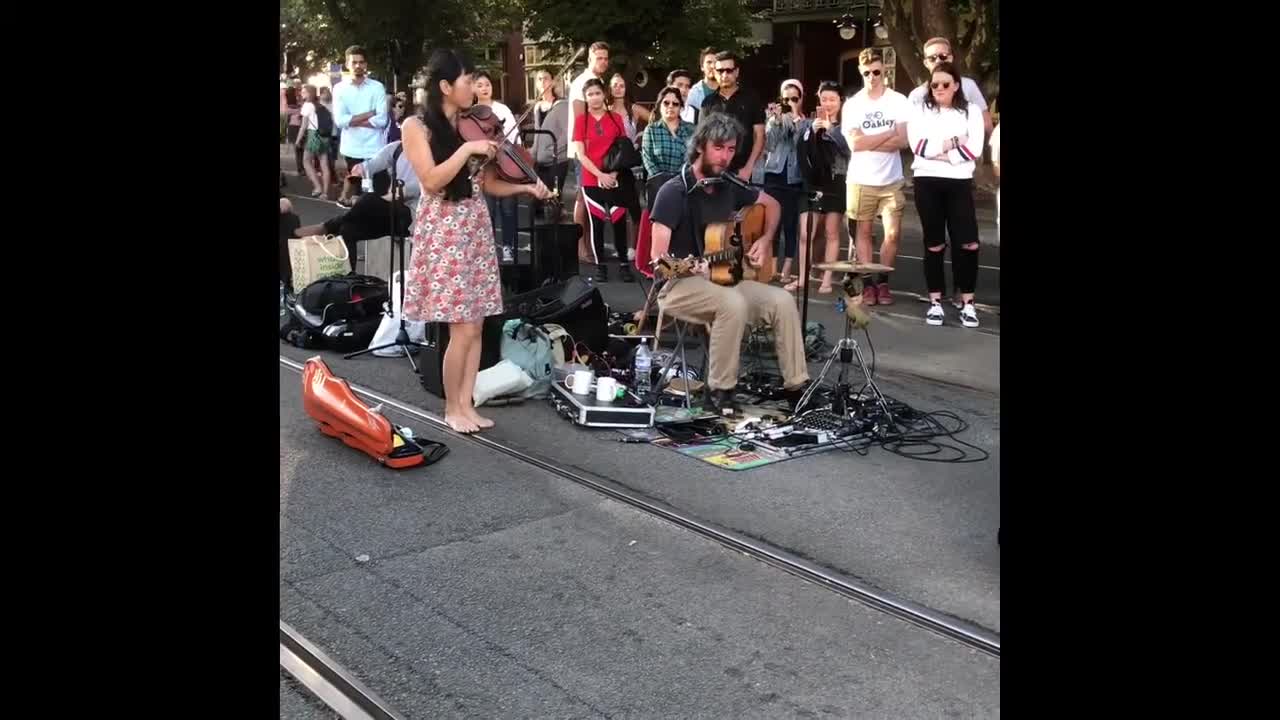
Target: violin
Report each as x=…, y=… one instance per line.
x=514, y=162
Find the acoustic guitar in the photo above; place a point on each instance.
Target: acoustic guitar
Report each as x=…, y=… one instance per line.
x=724, y=248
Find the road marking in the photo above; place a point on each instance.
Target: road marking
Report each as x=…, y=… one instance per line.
x=992, y=309
x=948, y=262
x=326, y=202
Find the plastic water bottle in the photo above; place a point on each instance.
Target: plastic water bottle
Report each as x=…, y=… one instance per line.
x=643, y=363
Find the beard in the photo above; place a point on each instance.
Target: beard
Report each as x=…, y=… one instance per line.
x=705, y=167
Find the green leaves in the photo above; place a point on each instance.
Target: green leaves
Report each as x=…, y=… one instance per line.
x=671, y=32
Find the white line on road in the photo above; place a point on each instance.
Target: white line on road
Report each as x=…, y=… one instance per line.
x=948, y=262
x=816, y=300
x=326, y=202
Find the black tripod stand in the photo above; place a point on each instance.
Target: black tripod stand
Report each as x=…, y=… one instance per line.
x=402, y=335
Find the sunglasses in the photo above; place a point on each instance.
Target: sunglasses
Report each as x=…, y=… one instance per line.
x=670, y=103
x=940, y=56
x=940, y=85
x=792, y=99
x=727, y=70
x=869, y=73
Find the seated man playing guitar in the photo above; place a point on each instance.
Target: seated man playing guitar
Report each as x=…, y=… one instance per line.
x=683, y=210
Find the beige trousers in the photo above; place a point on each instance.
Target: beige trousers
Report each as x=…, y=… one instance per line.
x=729, y=310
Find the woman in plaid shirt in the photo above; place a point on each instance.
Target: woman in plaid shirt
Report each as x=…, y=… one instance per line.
x=665, y=142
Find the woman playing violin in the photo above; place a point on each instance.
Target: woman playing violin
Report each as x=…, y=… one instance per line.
x=453, y=272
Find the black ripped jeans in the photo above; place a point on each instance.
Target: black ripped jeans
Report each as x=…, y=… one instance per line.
x=946, y=208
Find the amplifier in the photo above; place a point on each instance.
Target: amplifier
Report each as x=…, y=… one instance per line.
x=586, y=411
x=553, y=258
x=430, y=360
x=575, y=304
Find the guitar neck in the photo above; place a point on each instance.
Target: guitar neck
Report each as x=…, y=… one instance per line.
x=721, y=256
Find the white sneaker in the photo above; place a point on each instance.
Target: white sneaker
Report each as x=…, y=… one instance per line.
x=631, y=254
x=969, y=315
x=935, y=315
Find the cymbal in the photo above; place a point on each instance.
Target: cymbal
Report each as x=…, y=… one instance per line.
x=843, y=266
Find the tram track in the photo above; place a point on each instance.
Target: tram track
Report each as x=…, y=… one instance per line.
x=957, y=629
x=328, y=681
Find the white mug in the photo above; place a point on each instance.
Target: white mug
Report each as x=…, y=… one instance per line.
x=579, y=383
x=606, y=389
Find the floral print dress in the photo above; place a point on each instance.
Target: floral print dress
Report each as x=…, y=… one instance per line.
x=453, y=270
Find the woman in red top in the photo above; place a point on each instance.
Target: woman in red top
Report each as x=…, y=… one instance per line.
x=593, y=132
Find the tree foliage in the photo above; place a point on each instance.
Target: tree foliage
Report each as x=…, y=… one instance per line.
x=640, y=33
x=395, y=33
x=973, y=26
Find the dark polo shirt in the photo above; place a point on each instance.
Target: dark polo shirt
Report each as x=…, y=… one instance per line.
x=744, y=105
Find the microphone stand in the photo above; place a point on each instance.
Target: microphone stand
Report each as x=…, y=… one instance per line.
x=402, y=337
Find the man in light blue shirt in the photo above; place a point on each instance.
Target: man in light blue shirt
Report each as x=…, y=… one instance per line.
x=360, y=111
x=704, y=89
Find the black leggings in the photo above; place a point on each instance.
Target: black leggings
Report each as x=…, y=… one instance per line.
x=607, y=199
x=946, y=207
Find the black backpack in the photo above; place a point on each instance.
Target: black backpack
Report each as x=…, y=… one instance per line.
x=324, y=121
x=349, y=308
x=344, y=297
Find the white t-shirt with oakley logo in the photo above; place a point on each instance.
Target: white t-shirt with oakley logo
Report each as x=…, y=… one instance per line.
x=874, y=117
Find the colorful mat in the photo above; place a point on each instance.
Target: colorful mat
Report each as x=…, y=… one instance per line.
x=723, y=453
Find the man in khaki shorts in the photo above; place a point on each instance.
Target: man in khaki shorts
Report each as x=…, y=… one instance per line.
x=874, y=122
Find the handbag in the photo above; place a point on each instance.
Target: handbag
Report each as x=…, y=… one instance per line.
x=622, y=154
x=317, y=257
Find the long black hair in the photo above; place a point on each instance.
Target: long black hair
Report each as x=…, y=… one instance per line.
x=445, y=65
x=957, y=101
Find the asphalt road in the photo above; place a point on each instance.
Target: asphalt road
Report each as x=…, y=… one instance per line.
x=492, y=589
x=438, y=592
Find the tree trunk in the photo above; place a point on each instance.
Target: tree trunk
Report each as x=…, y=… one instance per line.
x=972, y=36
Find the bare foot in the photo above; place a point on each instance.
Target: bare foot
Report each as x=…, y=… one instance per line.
x=461, y=423
x=824, y=289
x=480, y=420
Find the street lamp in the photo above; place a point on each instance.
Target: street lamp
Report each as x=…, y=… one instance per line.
x=847, y=25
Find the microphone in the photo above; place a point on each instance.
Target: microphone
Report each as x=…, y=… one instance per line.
x=733, y=179
x=703, y=183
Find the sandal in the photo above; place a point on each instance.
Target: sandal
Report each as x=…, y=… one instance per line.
x=792, y=286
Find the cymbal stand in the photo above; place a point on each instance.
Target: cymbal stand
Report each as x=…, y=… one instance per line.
x=846, y=349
